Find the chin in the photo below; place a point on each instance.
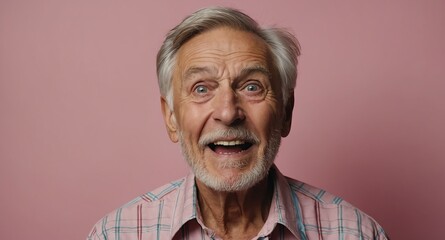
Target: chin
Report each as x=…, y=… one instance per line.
x=234, y=179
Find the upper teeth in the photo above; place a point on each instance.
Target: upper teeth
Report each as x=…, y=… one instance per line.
x=229, y=143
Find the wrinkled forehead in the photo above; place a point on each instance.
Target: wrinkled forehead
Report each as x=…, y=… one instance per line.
x=223, y=46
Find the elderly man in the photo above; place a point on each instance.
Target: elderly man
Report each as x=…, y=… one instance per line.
x=227, y=98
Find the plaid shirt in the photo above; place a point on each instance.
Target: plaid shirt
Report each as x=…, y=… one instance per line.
x=297, y=211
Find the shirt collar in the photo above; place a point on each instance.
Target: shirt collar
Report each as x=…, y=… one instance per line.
x=282, y=210
x=186, y=207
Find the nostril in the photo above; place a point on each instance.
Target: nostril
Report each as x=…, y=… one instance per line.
x=229, y=115
x=237, y=122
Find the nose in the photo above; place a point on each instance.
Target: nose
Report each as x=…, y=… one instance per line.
x=227, y=108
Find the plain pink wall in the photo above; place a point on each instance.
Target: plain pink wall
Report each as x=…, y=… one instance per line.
x=81, y=131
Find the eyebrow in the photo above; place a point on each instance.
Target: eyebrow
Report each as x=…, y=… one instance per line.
x=197, y=70
x=254, y=69
x=244, y=72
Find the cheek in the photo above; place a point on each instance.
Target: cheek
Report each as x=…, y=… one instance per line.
x=266, y=118
x=193, y=118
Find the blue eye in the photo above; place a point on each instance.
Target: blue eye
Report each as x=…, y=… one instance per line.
x=201, y=89
x=252, y=87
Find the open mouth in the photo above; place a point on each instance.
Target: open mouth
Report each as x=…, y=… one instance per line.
x=229, y=147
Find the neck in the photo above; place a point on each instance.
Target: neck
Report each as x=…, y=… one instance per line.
x=236, y=215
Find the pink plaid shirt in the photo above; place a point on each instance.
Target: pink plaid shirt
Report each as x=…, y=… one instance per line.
x=298, y=211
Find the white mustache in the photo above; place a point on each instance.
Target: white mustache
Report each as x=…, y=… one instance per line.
x=238, y=133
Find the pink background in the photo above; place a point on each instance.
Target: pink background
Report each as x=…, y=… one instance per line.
x=81, y=130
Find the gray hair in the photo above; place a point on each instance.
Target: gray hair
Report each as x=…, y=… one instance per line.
x=283, y=46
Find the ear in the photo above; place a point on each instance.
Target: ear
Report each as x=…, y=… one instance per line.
x=287, y=120
x=170, y=120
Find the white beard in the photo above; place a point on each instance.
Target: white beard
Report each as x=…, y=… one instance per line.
x=245, y=180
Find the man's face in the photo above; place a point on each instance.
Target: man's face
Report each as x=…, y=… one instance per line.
x=227, y=108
